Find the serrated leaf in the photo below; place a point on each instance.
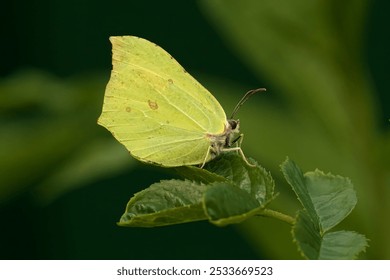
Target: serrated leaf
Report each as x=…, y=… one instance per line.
x=235, y=190
x=331, y=246
x=306, y=235
x=255, y=180
x=296, y=180
x=165, y=203
x=327, y=198
x=333, y=197
x=342, y=245
x=225, y=204
x=229, y=191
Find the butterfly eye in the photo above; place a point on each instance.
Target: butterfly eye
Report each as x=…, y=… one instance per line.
x=233, y=124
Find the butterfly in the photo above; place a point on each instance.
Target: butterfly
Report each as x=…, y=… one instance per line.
x=160, y=113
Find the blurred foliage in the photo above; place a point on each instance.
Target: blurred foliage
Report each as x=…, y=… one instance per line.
x=50, y=142
x=320, y=109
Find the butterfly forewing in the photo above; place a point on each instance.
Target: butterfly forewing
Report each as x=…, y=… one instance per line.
x=157, y=110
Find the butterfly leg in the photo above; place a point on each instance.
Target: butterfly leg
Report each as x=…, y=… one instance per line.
x=244, y=158
x=205, y=158
x=238, y=149
x=241, y=138
x=238, y=142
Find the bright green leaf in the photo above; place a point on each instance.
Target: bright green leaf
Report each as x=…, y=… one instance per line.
x=165, y=203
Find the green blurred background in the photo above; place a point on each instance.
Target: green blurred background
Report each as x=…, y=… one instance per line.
x=64, y=181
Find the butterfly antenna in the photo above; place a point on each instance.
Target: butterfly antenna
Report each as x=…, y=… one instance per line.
x=245, y=98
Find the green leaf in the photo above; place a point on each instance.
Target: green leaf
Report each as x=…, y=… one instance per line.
x=334, y=245
x=307, y=236
x=342, y=245
x=165, y=203
x=229, y=191
x=296, y=180
x=226, y=204
x=327, y=198
x=244, y=193
x=333, y=197
x=200, y=175
x=254, y=180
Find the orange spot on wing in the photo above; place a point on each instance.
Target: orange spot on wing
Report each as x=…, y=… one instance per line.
x=153, y=105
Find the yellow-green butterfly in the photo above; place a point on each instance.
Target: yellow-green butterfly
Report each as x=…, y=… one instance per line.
x=159, y=112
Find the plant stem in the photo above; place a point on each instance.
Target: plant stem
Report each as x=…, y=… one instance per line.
x=277, y=215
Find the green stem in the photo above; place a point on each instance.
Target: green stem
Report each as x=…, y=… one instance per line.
x=277, y=215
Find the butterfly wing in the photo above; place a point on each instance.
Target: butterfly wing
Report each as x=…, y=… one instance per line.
x=159, y=112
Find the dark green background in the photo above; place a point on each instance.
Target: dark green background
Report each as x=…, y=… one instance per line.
x=70, y=38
